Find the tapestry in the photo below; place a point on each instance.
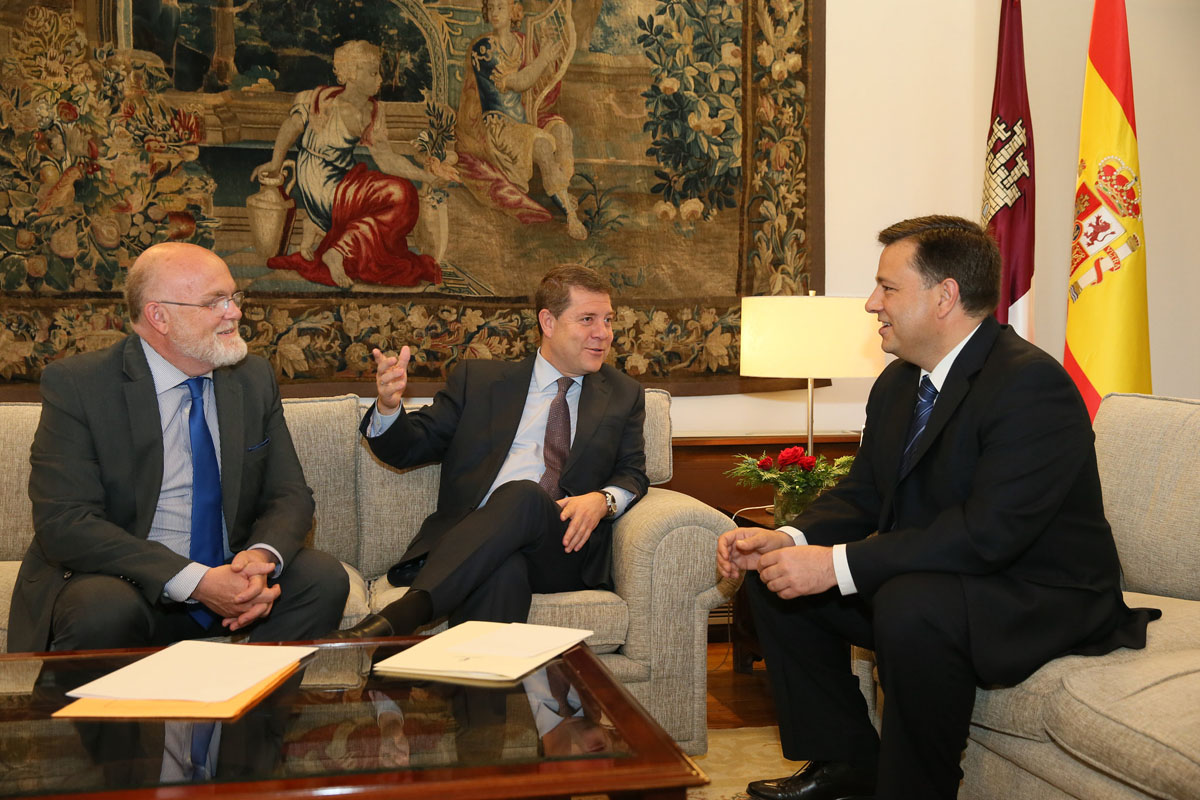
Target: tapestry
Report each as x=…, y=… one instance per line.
x=387, y=172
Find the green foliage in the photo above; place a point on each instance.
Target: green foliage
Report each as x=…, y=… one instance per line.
x=777, y=202
x=95, y=164
x=598, y=209
x=798, y=475
x=693, y=102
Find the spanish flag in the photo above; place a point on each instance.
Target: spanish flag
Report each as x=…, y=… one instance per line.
x=1108, y=337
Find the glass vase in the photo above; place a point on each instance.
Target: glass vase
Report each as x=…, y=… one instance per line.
x=788, y=505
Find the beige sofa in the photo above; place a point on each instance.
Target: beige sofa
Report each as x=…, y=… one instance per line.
x=1124, y=725
x=651, y=631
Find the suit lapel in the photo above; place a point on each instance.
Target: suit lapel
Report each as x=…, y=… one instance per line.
x=957, y=384
x=508, y=397
x=145, y=427
x=593, y=403
x=228, y=393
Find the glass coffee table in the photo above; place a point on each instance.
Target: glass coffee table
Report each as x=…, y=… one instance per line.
x=335, y=728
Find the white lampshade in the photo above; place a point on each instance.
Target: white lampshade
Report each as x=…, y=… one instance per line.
x=804, y=336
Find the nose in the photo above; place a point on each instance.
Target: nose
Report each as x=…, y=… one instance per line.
x=233, y=312
x=872, y=305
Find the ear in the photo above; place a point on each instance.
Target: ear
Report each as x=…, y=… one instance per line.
x=157, y=317
x=947, y=297
x=546, y=321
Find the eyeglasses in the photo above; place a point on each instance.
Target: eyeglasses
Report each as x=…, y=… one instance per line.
x=220, y=305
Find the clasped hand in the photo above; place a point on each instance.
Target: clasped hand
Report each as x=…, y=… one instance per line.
x=238, y=591
x=787, y=569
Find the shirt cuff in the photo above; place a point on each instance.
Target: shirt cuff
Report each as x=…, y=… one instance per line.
x=180, y=587
x=278, y=558
x=841, y=565
x=380, y=423
x=797, y=536
x=623, y=497
x=841, y=568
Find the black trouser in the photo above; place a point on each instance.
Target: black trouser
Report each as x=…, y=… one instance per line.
x=488, y=566
x=99, y=611
x=917, y=626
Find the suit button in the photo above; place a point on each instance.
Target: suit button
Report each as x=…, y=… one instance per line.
x=67, y=575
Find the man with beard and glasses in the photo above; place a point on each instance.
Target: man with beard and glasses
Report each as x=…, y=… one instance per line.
x=168, y=500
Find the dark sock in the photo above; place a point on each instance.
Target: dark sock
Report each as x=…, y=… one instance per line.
x=409, y=612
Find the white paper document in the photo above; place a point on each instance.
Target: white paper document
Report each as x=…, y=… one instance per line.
x=483, y=650
x=208, y=672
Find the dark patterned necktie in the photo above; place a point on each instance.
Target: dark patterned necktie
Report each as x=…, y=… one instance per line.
x=206, y=542
x=558, y=440
x=926, y=395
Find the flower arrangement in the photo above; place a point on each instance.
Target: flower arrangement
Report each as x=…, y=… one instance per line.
x=796, y=477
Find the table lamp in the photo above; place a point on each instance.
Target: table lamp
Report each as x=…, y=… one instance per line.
x=805, y=336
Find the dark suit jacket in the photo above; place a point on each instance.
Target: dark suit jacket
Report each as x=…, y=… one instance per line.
x=97, y=463
x=1004, y=491
x=470, y=427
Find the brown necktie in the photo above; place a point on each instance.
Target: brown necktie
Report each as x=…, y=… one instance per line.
x=558, y=440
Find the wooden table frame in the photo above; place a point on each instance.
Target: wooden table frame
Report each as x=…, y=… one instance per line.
x=654, y=769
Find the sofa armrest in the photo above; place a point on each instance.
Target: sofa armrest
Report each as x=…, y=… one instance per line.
x=664, y=567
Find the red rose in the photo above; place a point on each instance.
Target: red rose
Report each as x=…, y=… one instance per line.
x=790, y=456
x=807, y=463
x=765, y=463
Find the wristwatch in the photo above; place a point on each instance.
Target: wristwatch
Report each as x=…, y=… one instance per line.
x=611, y=502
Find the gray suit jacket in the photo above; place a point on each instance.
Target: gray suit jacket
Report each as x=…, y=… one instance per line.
x=470, y=427
x=97, y=463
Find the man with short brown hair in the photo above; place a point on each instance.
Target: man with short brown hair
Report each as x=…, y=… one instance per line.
x=538, y=458
x=993, y=556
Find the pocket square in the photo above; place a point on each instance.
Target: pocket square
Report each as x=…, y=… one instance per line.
x=260, y=445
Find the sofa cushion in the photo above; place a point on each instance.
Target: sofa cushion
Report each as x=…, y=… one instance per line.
x=1146, y=447
x=8, y=579
x=1020, y=710
x=1138, y=720
x=18, y=422
x=603, y=613
x=358, y=603
x=324, y=432
x=657, y=434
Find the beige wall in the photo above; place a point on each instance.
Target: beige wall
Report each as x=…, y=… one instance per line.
x=909, y=89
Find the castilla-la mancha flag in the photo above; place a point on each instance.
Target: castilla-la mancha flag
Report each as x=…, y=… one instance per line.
x=1008, y=175
x=1108, y=335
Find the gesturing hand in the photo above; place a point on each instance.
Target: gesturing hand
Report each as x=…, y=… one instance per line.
x=391, y=379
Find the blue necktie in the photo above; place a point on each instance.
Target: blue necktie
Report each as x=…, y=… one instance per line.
x=926, y=395
x=207, y=546
x=202, y=733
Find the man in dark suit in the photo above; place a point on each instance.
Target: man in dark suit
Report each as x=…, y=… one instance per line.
x=978, y=471
x=528, y=493
x=118, y=486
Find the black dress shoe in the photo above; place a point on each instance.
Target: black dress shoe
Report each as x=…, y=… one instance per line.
x=818, y=780
x=372, y=626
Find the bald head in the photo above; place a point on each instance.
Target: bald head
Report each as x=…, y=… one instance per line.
x=174, y=292
x=162, y=261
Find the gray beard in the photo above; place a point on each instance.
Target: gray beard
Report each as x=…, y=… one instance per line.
x=212, y=352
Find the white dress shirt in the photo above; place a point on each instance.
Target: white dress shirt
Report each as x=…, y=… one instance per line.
x=172, y=524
